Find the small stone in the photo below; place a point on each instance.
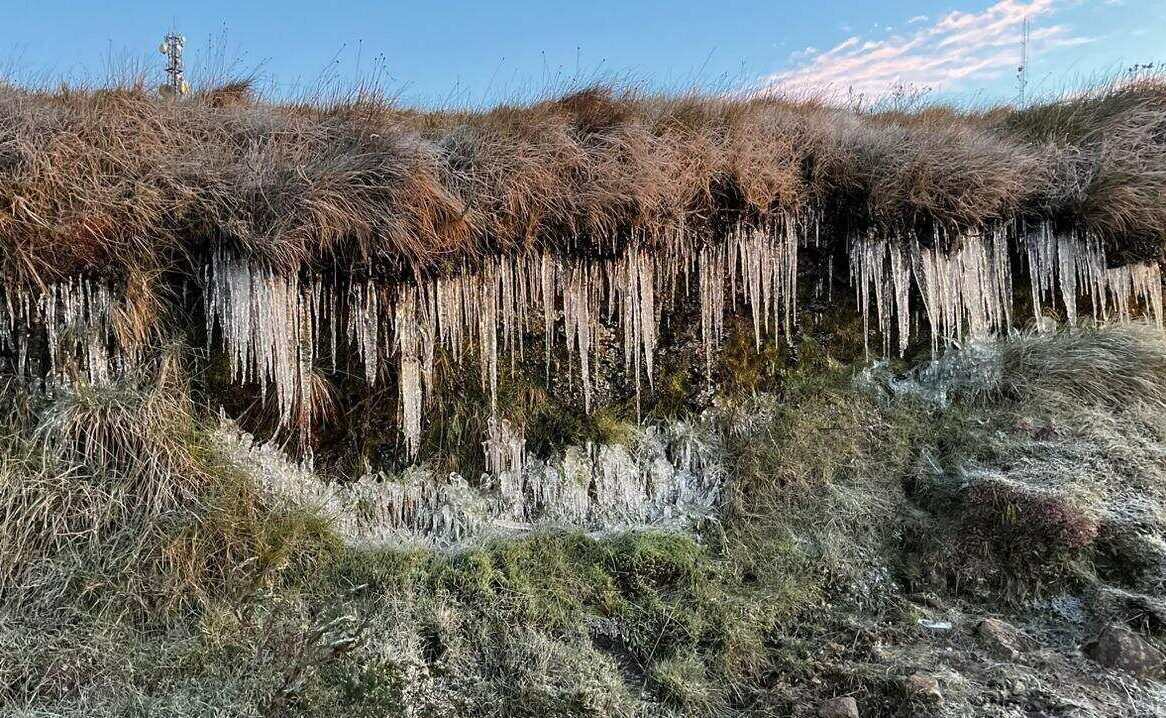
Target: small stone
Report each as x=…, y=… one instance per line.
x=1001, y=637
x=1124, y=650
x=923, y=687
x=842, y=707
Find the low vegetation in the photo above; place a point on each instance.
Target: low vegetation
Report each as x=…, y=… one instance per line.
x=144, y=574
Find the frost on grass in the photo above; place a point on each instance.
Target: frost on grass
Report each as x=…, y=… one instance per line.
x=662, y=477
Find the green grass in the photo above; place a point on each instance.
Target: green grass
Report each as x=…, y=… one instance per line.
x=842, y=497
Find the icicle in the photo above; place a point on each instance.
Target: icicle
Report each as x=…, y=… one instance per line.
x=364, y=327
x=407, y=325
x=901, y=278
x=505, y=447
x=579, y=316
x=711, y=284
x=487, y=314
x=547, y=289
x=1121, y=287
x=270, y=323
x=968, y=290
x=1068, y=263
x=265, y=328
x=635, y=290
x=75, y=319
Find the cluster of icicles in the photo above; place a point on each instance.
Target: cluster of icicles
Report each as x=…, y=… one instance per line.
x=968, y=292
x=276, y=327
x=74, y=320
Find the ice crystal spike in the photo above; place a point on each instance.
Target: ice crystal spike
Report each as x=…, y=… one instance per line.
x=276, y=328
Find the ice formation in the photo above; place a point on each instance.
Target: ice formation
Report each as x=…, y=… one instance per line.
x=1078, y=267
x=268, y=323
x=668, y=476
x=273, y=325
x=505, y=447
x=967, y=293
x=277, y=329
x=75, y=321
x=964, y=292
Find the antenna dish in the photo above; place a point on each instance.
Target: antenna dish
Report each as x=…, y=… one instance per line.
x=171, y=47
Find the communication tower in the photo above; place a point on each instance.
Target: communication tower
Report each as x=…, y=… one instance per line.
x=176, y=84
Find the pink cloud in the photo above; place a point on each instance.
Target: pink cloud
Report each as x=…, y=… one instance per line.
x=948, y=53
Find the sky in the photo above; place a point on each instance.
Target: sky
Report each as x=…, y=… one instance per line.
x=455, y=53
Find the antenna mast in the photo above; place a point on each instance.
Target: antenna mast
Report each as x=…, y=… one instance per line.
x=1022, y=69
x=172, y=46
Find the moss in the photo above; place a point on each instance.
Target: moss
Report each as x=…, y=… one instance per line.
x=645, y=598
x=609, y=428
x=746, y=368
x=839, y=496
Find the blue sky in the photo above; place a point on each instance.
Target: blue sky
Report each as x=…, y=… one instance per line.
x=474, y=53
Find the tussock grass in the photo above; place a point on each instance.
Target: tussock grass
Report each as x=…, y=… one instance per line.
x=116, y=178
x=114, y=497
x=1113, y=368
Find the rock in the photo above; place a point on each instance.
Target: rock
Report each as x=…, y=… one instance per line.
x=1119, y=604
x=843, y=707
x=1124, y=650
x=1001, y=637
x=922, y=687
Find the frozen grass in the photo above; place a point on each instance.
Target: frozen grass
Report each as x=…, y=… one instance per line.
x=843, y=500
x=113, y=498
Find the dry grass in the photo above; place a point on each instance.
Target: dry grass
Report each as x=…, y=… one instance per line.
x=114, y=498
x=116, y=178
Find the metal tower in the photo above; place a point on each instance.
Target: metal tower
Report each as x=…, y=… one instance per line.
x=1022, y=69
x=172, y=46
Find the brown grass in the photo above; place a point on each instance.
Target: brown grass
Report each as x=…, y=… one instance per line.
x=116, y=178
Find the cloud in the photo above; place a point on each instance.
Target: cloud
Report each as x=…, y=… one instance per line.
x=946, y=54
